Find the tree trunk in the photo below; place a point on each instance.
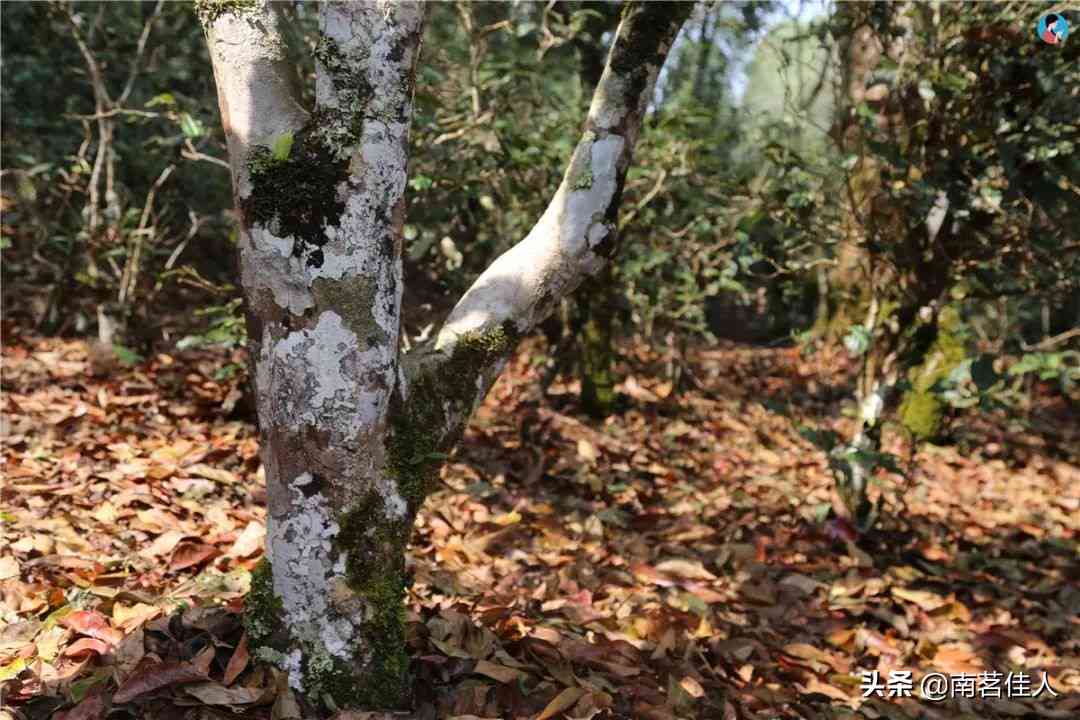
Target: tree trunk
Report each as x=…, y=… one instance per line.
x=896, y=257
x=353, y=432
x=597, y=342
x=595, y=313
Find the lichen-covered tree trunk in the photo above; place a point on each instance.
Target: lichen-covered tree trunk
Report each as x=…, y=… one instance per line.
x=321, y=194
x=596, y=310
x=353, y=431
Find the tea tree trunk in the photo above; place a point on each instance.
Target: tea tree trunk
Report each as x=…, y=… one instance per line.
x=352, y=429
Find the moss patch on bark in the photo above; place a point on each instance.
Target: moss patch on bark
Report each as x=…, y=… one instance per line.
x=295, y=194
x=374, y=542
x=210, y=10
x=417, y=443
x=263, y=609
x=922, y=411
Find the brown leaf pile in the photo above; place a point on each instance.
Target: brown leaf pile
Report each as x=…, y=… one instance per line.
x=672, y=562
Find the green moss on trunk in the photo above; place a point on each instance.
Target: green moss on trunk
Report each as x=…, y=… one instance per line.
x=417, y=444
x=374, y=541
x=922, y=411
x=210, y=10
x=263, y=609
x=295, y=193
x=598, y=308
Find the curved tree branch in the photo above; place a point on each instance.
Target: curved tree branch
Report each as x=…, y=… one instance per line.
x=574, y=237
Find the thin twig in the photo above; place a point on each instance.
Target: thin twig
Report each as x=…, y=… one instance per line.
x=134, y=72
x=1047, y=343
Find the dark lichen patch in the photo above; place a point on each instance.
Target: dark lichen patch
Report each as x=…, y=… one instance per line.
x=649, y=25
x=210, y=10
x=297, y=196
x=348, y=75
x=314, y=487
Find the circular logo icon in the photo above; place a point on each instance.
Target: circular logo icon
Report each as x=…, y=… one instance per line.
x=1052, y=29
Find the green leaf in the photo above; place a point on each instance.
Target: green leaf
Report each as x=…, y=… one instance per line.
x=857, y=341
x=982, y=372
x=126, y=355
x=191, y=127
x=162, y=99
x=421, y=183
x=282, y=147
x=80, y=688
x=12, y=669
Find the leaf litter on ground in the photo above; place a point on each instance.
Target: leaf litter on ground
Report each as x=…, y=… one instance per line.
x=673, y=561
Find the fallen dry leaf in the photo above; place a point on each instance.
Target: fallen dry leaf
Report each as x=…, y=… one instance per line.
x=155, y=676
x=92, y=624
x=561, y=702
x=238, y=661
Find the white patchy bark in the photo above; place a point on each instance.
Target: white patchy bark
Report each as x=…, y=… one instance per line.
x=322, y=199
x=257, y=86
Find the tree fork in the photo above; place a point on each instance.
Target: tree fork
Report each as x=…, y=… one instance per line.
x=353, y=433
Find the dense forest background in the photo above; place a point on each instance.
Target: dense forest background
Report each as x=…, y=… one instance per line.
x=885, y=193
x=781, y=178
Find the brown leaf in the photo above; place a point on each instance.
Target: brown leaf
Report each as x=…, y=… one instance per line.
x=92, y=707
x=156, y=676
x=129, y=653
x=212, y=473
x=649, y=574
x=498, y=672
x=129, y=618
x=204, y=659
x=285, y=706
x=250, y=541
x=86, y=645
x=587, y=451
x=926, y=600
x=686, y=569
x=190, y=554
x=9, y=567
x=213, y=693
x=762, y=593
x=692, y=687
x=561, y=702
x=238, y=661
x=163, y=545
x=93, y=624
x=814, y=685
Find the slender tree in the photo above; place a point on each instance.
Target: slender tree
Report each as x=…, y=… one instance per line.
x=354, y=430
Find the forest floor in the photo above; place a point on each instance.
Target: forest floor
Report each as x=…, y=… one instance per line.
x=675, y=561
